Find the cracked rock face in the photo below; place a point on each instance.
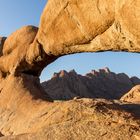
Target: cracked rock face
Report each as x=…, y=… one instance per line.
x=90, y=26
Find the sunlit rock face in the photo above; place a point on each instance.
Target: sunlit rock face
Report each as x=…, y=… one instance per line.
x=133, y=95
x=90, y=26
x=15, y=50
x=87, y=118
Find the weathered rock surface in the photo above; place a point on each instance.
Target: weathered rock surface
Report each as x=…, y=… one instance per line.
x=76, y=119
x=90, y=26
x=133, y=95
x=96, y=84
x=24, y=110
x=20, y=96
x=21, y=55
x=15, y=50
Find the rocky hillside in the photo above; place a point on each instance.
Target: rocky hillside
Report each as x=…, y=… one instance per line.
x=30, y=116
x=78, y=119
x=96, y=84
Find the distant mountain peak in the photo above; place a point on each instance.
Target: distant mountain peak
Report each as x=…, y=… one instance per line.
x=73, y=71
x=63, y=73
x=100, y=83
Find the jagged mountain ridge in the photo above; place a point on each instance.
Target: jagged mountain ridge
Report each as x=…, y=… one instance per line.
x=95, y=84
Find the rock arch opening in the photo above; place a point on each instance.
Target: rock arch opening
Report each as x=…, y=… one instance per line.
x=106, y=75
x=84, y=62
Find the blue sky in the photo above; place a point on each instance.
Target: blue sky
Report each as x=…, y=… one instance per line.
x=17, y=13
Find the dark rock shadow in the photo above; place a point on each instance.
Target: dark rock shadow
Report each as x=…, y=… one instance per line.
x=134, y=109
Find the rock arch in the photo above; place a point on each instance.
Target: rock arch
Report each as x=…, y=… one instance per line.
x=71, y=26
